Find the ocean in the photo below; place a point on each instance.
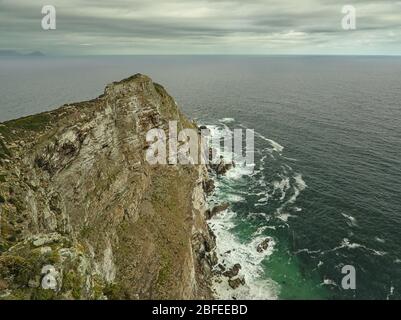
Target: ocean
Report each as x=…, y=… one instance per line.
x=326, y=185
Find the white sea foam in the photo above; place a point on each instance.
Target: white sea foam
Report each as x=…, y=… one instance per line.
x=264, y=199
x=253, y=215
x=230, y=251
x=380, y=240
x=239, y=171
x=284, y=216
x=260, y=231
x=347, y=244
x=308, y=251
x=281, y=186
x=351, y=221
x=377, y=252
x=227, y=120
x=299, y=186
x=300, y=182
x=275, y=145
x=391, y=293
x=235, y=198
x=329, y=282
x=290, y=159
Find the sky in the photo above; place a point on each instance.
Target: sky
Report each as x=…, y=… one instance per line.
x=87, y=27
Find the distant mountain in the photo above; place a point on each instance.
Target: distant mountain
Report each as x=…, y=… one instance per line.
x=9, y=53
x=14, y=53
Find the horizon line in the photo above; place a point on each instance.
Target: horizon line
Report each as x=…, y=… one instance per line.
x=207, y=54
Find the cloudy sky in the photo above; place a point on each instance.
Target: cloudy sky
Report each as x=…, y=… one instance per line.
x=201, y=27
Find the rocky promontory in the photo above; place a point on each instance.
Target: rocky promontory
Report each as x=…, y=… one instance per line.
x=84, y=216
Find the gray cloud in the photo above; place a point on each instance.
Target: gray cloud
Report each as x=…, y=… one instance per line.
x=202, y=27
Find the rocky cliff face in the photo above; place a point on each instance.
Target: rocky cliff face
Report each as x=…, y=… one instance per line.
x=77, y=195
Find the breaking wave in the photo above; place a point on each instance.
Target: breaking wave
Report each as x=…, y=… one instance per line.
x=279, y=186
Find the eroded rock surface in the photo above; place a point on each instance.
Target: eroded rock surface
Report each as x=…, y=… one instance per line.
x=76, y=193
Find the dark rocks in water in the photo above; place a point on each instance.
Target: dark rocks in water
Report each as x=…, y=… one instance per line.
x=263, y=245
x=213, y=259
x=202, y=128
x=212, y=151
x=208, y=186
x=233, y=272
x=219, y=208
x=222, y=167
x=210, y=213
x=204, y=243
x=221, y=267
x=236, y=282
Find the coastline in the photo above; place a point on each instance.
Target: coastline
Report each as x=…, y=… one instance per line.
x=175, y=220
x=236, y=274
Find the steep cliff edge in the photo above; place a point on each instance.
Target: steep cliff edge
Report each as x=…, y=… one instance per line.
x=77, y=195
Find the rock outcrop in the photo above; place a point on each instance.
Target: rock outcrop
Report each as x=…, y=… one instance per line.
x=263, y=246
x=78, y=197
x=221, y=167
x=210, y=213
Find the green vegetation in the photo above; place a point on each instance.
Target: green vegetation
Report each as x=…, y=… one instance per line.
x=4, y=152
x=18, y=204
x=165, y=270
x=18, y=267
x=34, y=123
x=12, y=129
x=97, y=288
x=43, y=294
x=112, y=291
x=72, y=282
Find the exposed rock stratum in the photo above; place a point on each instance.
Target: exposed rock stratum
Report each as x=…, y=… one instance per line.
x=77, y=194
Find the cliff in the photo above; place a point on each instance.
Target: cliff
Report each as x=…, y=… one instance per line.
x=77, y=195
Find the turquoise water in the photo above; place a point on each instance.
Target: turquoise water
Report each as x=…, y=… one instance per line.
x=337, y=120
x=264, y=202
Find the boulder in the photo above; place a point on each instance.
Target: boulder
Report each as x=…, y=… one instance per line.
x=219, y=208
x=208, y=186
x=202, y=128
x=233, y=271
x=210, y=213
x=211, y=152
x=235, y=283
x=222, y=167
x=263, y=245
x=221, y=267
